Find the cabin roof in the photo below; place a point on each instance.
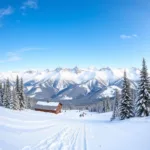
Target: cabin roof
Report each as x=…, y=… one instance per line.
x=54, y=104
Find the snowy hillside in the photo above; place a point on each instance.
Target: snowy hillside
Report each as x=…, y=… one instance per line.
x=71, y=84
x=31, y=130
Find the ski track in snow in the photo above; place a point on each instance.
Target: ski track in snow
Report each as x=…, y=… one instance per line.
x=85, y=143
x=66, y=139
x=63, y=140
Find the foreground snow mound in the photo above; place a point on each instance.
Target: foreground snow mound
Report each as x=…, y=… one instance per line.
x=31, y=130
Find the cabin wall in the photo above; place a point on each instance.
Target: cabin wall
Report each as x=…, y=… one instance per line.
x=51, y=111
x=58, y=110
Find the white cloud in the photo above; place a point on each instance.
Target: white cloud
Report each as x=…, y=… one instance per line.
x=6, y=11
x=29, y=49
x=16, y=55
x=123, y=36
x=134, y=35
x=29, y=4
x=11, y=57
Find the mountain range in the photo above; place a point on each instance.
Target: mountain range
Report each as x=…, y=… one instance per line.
x=73, y=85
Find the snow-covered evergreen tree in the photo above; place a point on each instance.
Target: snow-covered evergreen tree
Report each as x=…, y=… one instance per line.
x=16, y=103
x=17, y=84
x=9, y=98
x=116, y=106
x=98, y=107
x=28, y=102
x=103, y=106
x=22, y=96
x=17, y=95
x=1, y=94
x=126, y=105
x=143, y=92
x=107, y=105
x=5, y=97
x=11, y=101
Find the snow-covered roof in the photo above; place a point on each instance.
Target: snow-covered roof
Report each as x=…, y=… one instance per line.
x=47, y=103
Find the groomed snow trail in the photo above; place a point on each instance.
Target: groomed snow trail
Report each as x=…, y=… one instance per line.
x=63, y=140
x=31, y=130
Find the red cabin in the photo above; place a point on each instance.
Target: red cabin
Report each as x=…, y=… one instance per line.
x=51, y=107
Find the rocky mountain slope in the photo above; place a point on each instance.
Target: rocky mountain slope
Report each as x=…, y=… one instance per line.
x=75, y=84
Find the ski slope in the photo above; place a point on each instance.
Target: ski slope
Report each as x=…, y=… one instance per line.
x=31, y=130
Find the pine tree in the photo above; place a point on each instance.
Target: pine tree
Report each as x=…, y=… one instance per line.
x=1, y=94
x=22, y=97
x=107, y=104
x=126, y=106
x=9, y=98
x=11, y=102
x=17, y=95
x=16, y=103
x=5, y=97
x=116, y=106
x=103, y=106
x=28, y=102
x=149, y=93
x=7, y=94
x=17, y=84
x=143, y=92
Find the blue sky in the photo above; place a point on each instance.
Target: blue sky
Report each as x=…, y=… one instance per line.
x=68, y=33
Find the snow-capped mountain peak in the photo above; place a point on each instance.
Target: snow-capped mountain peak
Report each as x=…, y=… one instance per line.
x=75, y=83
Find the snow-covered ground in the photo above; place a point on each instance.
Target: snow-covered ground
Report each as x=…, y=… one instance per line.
x=31, y=130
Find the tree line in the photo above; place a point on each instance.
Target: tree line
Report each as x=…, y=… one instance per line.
x=105, y=105
x=13, y=97
x=130, y=102
x=125, y=106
